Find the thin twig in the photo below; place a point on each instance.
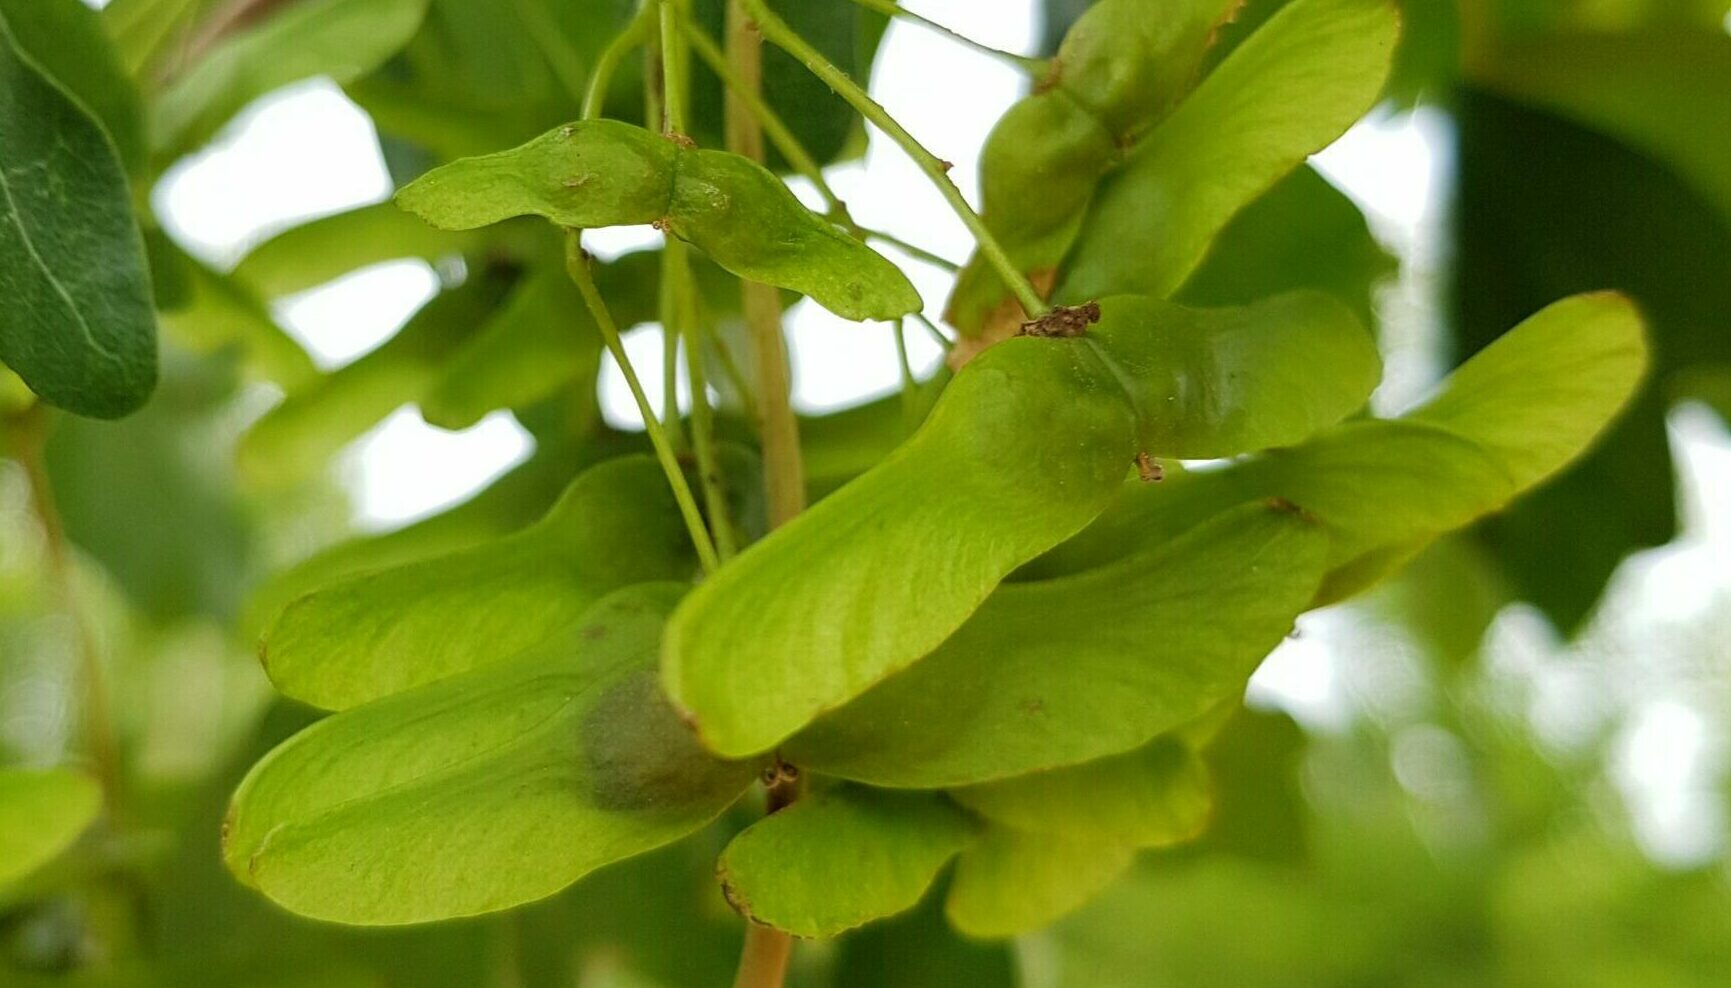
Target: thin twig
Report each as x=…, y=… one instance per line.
x=777, y=31
x=1028, y=63
x=577, y=263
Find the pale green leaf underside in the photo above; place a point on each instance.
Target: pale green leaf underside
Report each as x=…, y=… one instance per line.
x=841, y=858
x=483, y=791
x=1011, y=882
x=389, y=630
x=41, y=814
x=1157, y=795
x=1295, y=85
x=1064, y=671
x=76, y=316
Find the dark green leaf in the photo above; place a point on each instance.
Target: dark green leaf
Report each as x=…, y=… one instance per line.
x=77, y=324
x=66, y=40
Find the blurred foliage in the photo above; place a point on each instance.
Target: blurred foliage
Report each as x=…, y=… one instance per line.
x=1435, y=829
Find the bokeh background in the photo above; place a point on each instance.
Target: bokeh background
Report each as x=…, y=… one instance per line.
x=1511, y=765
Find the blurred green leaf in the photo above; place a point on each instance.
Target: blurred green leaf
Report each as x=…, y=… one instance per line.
x=1011, y=882
x=77, y=323
x=1302, y=233
x=319, y=251
x=340, y=39
x=41, y=814
x=919, y=950
x=485, y=791
x=1154, y=796
x=841, y=858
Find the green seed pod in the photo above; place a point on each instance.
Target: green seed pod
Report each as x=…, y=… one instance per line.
x=1029, y=443
x=1026, y=446
x=1218, y=382
x=1121, y=68
x=744, y=217
x=602, y=173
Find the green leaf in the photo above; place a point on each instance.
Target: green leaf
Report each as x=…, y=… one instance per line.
x=1024, y=448
x=341, y=39
x=484, y=791
x=1294, y=86
x=1119, y=71
x=1011, y=882
x=67, y=42
x=1541, y=393
x=602, y=173
x=41, y=814
x=1505, y=421
x=841, y=858
x=77, y=324
x=1543, y=209
x=1097, y=663
x=386, y=631
x=329, y=247
x=919, y=950
x=1154, y=796
x=1303, y=233
x=1217, y=382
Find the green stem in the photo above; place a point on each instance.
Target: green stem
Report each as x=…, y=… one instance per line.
x=919, y=253
x=784, y=37
x=891, y=9
x=735, y=377
x=607, y=65
x=684, y=315
x=577, y=264
x=676, y=73
x=937, y=334
x=910, y=386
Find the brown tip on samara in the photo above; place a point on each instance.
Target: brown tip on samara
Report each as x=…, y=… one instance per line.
x=1291, y=508
x=1064, y=321
x=1149, y=469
